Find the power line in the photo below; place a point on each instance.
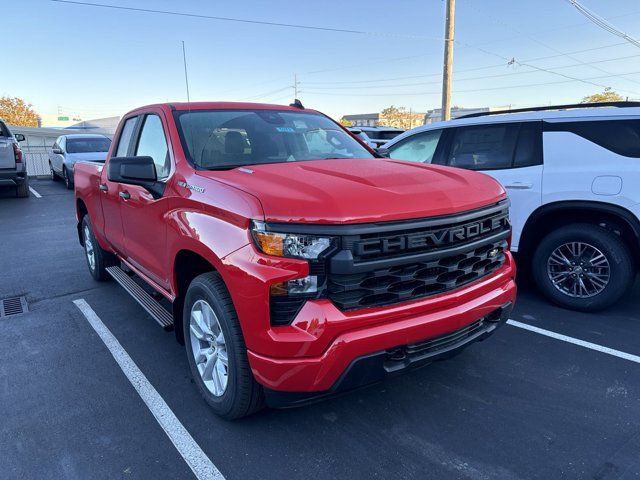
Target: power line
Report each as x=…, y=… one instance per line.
x=602, y=23
x=569, y=80
x=540, y=42
x=483, y=77
x=243, y=20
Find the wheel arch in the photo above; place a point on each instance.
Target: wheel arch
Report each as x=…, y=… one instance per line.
x=81, y=211
x=552, y=215
x=187, y=265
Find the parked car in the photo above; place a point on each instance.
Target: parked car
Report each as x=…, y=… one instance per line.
x=376, y=136
x=69, y=149
x=573, y=177
x=297, y=265
x=13, y=166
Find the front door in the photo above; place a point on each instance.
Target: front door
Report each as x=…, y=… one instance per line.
x=143, y=214
x=110, y=191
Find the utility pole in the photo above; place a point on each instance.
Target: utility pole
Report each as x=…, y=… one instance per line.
x=295, y=86
x=449, y=31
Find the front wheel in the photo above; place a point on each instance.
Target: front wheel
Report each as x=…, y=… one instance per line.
x=54, y=177
x=68, y=178
x=216, y=350
x=583, y=267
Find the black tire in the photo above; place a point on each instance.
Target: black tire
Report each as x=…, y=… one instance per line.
x=22, y=189
x=103, y=259
x=54, y=177
x=68, y=180
x=243, y=395
x=617, y=254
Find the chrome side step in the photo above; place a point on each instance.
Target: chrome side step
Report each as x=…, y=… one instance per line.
x=146, y=301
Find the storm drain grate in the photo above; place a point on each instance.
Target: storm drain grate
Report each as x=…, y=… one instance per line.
x=13, y=306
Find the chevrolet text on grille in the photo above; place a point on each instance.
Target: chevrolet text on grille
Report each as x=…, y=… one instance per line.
x=436, y=238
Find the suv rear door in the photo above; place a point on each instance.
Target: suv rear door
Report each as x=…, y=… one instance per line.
x=509, y=152
x=7, y=154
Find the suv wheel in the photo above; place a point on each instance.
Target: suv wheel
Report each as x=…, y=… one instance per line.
x=98, y=259
x=54, y=177
x=22, y=190
x=68, y=181
x=216, y=350
x=583, y=267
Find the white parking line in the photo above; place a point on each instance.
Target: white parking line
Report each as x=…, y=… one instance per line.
x=575, y=341
x=200, y=464
x=35, y=194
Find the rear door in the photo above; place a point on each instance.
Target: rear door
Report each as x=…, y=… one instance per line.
x=7, y=155
x=509, y=152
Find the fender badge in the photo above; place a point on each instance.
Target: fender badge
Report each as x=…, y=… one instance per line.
x=191, y=187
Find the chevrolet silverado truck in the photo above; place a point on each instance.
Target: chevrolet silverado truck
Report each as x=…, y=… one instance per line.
x=290, y=261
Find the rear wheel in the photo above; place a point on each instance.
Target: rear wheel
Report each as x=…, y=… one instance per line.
x=583, y=267
x=22, y=190
x=68, y=179
x=98, y=259
x=216, y=350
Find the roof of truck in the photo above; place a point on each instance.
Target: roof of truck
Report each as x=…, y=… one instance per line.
x=224, y=106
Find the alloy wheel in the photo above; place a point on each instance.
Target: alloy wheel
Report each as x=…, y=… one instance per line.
x=579, y=270
x=209, y=347
x=88, y=248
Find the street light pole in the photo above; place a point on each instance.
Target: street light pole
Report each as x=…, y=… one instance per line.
x=449, y=31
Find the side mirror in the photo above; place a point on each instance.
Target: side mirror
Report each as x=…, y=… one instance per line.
x=57, y=151
x=132, y=171
x=19, y=137
x=355, y=131
x=383, y=152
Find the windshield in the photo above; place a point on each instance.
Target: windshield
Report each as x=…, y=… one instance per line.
x=86, y=145
x=221, y=139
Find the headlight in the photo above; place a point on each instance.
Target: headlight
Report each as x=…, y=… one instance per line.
x=289, y=244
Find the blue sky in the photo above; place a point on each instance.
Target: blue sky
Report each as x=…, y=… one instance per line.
x=100, y=62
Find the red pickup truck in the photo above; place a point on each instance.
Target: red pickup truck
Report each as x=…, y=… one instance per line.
x=290, y=261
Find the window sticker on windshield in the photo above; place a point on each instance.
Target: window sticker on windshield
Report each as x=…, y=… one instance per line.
x=285, y=129
x=300, y=124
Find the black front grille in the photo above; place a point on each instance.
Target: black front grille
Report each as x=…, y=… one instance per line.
x=414, y=280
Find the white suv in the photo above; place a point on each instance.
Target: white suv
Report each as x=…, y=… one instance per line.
x=572, y=173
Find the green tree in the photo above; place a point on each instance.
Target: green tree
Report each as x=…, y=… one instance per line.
x=607, y=95
x=345, y=123
x=16, y=111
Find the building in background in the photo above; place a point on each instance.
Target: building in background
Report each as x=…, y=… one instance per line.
x=364, y=119
x=435, y=115
x=106, y=126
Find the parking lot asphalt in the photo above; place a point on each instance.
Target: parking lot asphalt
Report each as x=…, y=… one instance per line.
x=519, y=405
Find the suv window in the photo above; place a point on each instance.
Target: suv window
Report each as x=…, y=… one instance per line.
x=4, y=131
x=125, y=137
x=483, y=147
x=417, y=148
x=618, y=136
x=153, y=143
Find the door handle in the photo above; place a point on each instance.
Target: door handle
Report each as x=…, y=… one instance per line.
x=103, y=187
x=125, y=195
x=519, y=186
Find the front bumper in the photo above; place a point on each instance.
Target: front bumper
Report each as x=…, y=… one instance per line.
x=377, y=366
x=312, y=353
x=10, y=177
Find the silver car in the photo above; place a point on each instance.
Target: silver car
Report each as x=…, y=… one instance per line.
x=70, y=149
x=13, y=167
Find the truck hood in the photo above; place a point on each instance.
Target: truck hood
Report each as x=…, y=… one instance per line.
x=360, y=190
